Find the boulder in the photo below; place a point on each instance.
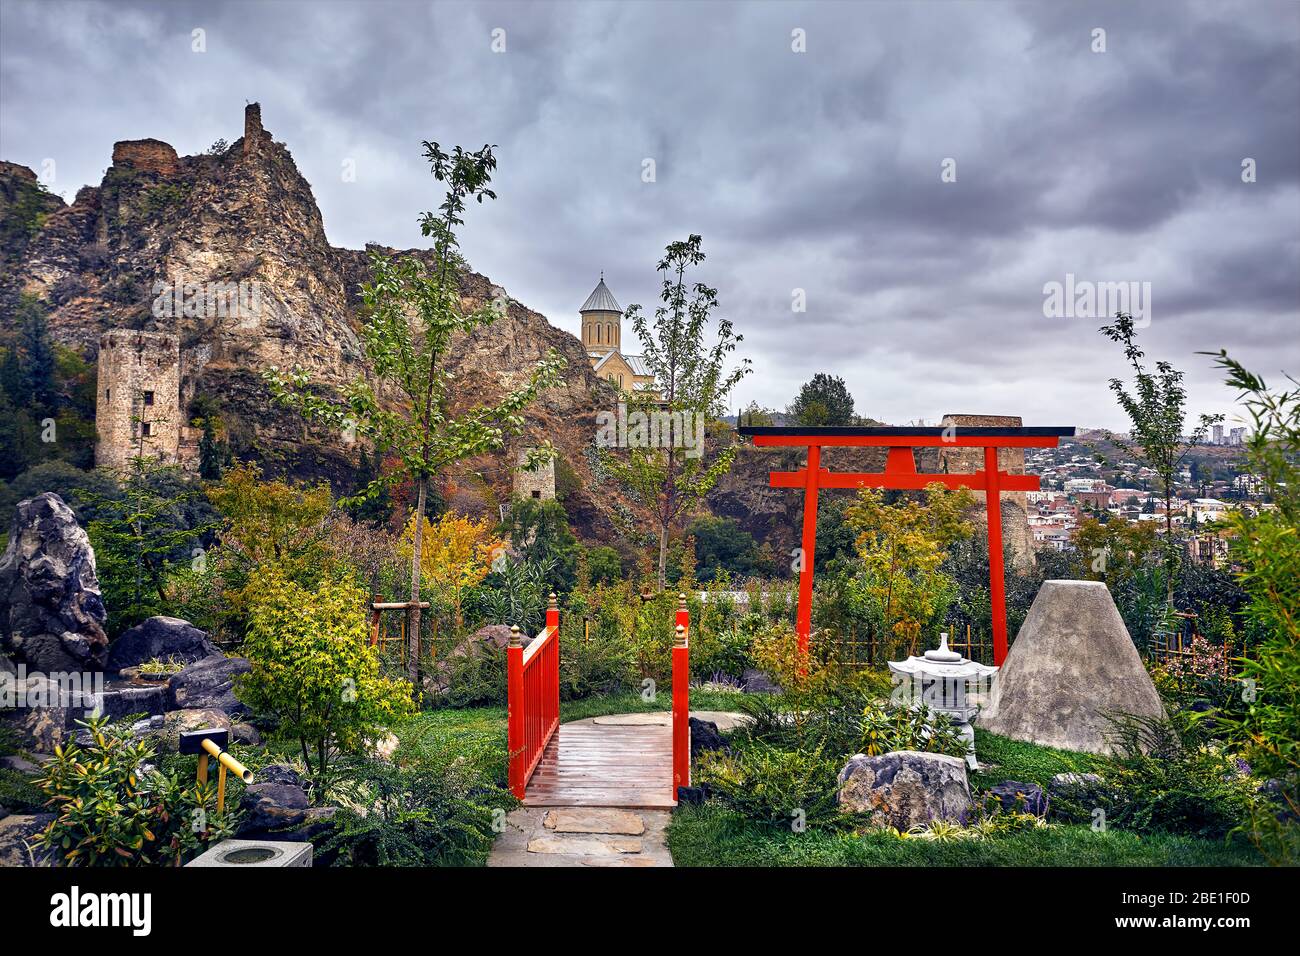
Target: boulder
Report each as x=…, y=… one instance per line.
x=53, y=613
x=281, y=773
x=160, y=638
x=16, y=833
x=756, y=682
x=906, y=788
x=44, y=729
x=179, y=722
x=121, y=701
x=209, y=683
x=493, y=638
x=269, y=807
x=1019, y=797
x=1071, y=668
x=245, y=734
x=705, y=737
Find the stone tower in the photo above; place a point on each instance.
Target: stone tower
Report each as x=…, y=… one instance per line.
x=1015, y=521
x=602, y=320
x=138, y=398
x=253, y=132
x=539, y=484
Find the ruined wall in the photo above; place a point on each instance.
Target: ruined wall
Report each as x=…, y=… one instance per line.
x=137, y=399
x=147, y=155
x=1015, y=521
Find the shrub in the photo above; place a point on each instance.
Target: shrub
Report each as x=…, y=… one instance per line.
x=112, y=812
x=773, y=785
x=313, y=668
x=1165, y=777
x=434, y=805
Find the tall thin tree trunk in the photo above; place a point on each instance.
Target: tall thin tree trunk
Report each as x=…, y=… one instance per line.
x=663, y=555
x=413, y=617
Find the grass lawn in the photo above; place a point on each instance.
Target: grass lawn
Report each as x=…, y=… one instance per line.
x=712, y=836
x=1004, y=759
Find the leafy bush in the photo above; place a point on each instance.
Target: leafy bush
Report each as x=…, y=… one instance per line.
x=596, y=663
x=312, y=667
x=434, y=805
x=1164, y=777
x=112, y=812
x=777, y=786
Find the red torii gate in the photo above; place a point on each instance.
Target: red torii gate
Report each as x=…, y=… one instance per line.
x=900, y=473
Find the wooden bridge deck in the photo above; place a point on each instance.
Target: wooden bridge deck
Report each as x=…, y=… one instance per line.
x=587, y=764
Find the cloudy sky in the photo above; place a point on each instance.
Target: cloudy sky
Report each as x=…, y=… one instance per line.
x=921, y=171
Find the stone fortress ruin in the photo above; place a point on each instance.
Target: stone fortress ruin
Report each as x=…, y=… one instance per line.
x=139, y=409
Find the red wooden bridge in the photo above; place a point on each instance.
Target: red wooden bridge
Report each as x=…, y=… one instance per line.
x=586, y=764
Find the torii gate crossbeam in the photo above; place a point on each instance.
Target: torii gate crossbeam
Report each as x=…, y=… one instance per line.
x=900, y=473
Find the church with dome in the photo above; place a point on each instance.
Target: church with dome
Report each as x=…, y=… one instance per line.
x=602, y=335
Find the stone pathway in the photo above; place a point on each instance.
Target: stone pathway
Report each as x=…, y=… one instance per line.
x=595, y=836
x=582, y=836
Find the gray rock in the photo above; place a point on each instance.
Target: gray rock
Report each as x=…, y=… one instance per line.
x=756, y=682
x=705, y=737
x=270, y=807
x=906, y=788
x=44, y=729
x=16, y=833
x=1019, y=797
x=1071, y=668
x=1070, y=783
x=119, y=702
x=208, y=683
x=281, y=773
x=491, y=638
x=53, y=613
x=245, y=734
x=179, y=722
x=160, y=638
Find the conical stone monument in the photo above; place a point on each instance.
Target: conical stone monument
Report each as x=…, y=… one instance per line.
x=1071, y=665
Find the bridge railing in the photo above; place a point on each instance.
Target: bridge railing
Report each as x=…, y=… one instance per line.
x=682, y=699
x=533, y=698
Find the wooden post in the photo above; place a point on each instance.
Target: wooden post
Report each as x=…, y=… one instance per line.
x=374, y=619
x=515, y=712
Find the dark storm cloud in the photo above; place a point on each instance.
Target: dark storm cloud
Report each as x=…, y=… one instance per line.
x=817, y=171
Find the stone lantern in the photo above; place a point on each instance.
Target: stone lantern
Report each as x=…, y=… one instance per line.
x=942, y=680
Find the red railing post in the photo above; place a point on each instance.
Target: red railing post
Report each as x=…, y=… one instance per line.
x=681, y=728
x=515, y=744
x=553, y=669
x=997, y=577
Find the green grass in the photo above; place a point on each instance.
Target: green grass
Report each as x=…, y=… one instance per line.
x=712, y=836
x=1004, y=759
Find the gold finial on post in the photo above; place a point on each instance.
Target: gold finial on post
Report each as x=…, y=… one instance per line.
x=515, y=640
x=681, y=636
x=552, y=601
x=681, y=600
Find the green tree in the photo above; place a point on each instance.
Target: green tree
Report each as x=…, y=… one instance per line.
x=143, y=535
x=314, y=669
x=721, y=545
x=823, y=400
x=693, y=380
x=1156, y=408
x=1266, y=548
x=413, y=312
x=539, y=533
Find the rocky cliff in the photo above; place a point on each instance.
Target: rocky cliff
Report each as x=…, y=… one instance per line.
x=139, y=250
